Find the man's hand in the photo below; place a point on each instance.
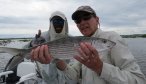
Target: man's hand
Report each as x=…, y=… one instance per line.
x=41, y=54
x=89, y=56
x=37, y=40
x=60, y=64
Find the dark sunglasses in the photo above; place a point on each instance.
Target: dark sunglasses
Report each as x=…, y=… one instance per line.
x=58, y=22
x=84, y=17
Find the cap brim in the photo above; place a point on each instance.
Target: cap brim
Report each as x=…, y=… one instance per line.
x=77, y=13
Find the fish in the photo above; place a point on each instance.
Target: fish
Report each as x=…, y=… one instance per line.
x=64, y=48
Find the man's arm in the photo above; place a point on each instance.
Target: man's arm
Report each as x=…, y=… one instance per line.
x=39, y=39
x=124, y=70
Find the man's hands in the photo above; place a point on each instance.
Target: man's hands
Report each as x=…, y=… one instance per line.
x=41, y=54
x=89, y=56
x=37, y=40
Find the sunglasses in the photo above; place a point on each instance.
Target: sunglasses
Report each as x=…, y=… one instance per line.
x=84, y=17
x=58, y=22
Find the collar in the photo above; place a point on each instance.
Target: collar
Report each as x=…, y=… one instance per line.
x=97, y=33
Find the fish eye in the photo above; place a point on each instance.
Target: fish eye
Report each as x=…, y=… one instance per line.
x=104, y=41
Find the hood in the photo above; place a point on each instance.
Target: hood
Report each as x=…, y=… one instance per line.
x=52, y=34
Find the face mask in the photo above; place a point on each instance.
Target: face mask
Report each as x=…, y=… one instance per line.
x=58, y=23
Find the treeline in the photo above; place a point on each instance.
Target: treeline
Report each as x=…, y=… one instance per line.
x=134, y=36
x=10, y=39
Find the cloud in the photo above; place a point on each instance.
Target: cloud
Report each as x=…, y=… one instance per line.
x=124, y=13
x=18, y=20
x=34, y=14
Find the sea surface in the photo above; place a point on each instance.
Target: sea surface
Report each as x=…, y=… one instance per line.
x=136, y=45
x=138, y=49
x=5, y=57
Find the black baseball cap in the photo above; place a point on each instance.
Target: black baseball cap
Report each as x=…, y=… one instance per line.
x=83, y=9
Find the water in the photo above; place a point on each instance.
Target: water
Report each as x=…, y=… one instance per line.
x=4, y=57
x=138, y=49
x=136, y=45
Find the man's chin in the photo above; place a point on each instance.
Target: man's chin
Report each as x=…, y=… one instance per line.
x=58, y=30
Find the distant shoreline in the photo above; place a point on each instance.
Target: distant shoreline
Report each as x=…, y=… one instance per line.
x=5, y=41
x=134, y=36
x=30, y=36
x=15, y=38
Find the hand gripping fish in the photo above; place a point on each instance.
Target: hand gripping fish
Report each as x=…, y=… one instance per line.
x=64, y=48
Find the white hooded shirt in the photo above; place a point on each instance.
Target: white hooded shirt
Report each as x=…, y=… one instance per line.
x=49, y=72
x=119, y=65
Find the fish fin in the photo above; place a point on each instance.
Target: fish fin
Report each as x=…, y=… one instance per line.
x=12, y=51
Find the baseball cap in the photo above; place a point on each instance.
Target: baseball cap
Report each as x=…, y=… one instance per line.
x=81, y=9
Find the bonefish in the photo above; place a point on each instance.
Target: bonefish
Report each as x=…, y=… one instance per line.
x=64, y=48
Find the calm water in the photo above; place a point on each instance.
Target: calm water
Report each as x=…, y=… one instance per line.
x=136, y=45
x=138, y=48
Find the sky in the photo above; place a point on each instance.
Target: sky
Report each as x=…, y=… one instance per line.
x=28, y=16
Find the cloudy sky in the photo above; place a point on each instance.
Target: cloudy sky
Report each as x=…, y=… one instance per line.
x=27, y=16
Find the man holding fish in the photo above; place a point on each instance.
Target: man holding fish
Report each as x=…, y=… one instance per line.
x=58, y=29
x=117, y=66
x=48, y=72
